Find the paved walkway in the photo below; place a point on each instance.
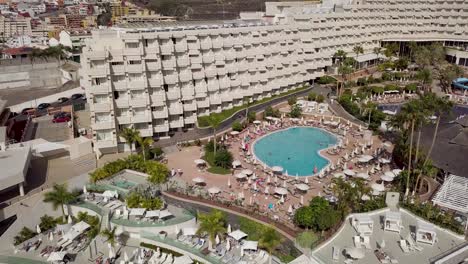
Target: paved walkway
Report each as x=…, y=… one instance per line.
x=338, y=110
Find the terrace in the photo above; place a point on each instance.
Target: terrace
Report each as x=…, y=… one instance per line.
x=388, y=247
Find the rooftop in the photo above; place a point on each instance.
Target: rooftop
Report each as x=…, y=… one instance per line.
x=14, y=164
x=344, y=239
x=164, y=26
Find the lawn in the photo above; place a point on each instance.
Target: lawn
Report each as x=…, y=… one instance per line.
x=225, y=114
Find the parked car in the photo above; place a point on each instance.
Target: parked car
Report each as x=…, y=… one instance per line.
x=77, y=96
x=43, y=106
x=26, y=110
x=61, y=119
x=62, y=99
x=62, y=114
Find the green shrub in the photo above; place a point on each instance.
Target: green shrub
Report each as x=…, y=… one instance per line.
x=390, y=87
x=223, y=158
x=377, y=89
x=251, y=116
x=292, y=101
x=296, y=111
x=412, y=87
x=269, y=111
x=237, y=126
x=326, y=80
x=157, y=172
x=320, y=98
x=47, y=222
x=311, y=96
x=156, y=153
x=307, y=239
x=387, y=76
x=23, y=235
x=361, y=81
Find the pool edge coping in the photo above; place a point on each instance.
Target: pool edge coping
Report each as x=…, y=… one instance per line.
x=339, y=138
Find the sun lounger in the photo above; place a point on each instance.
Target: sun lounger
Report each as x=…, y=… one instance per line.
x=412, y=244
x=336, y=253
x=366, y=242
x=348, y=261
x=357, y=241
x=404, y=246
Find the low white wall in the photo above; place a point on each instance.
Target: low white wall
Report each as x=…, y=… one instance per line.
x=155, y=230
x=74, y=210
x=47, y=99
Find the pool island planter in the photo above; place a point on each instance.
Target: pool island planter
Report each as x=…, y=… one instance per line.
x=319, y=152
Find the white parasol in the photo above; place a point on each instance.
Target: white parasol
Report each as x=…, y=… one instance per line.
x=349, y=172
x=111, y=253
x=362, y=175
x=199, y=161
x=198, y=180
x=267, y=190
x=236, y=163
x=302, y=200
x=378, y=187
x=240, y=176
x=386, y=178
x=290, y=210
x=302, y=186
x=257, y=122
x=365, y=197
x=281, y=191
x=69, y=220
x=247, y=172
x=228, y=245
x=217, y=240
x=396, y=172
x=277, y=168
x=284, y=184
x=384, y=161
x=306, y=180
x=268, y=179
x=339, y=175
x=38, y=229
x=51, y=236
x=389, y=174
x=229, y=229
x=229, y=182
x=282, y=199
x=214, y=190
x=85, y=191
x=234, y=133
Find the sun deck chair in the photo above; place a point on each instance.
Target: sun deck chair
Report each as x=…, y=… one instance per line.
x=357, y=241
x=412, y=244
x=366, y=242
x=404, y=246
x=336, y=253
x=348, y=261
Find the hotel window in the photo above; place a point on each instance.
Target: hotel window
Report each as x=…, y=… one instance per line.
x=141, y=126
x=134, y=62
x=132, y=45
x=104, y=135
x=135, y=76
x=99, y=81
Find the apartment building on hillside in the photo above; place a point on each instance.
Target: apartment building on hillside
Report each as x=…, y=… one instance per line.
x=11, y=26
x=160, y=77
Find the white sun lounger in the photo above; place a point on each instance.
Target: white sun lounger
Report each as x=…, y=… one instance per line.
x=357, y=241
x=404, y=246
x=336, y=253
x=366, y=242
x=412, y=244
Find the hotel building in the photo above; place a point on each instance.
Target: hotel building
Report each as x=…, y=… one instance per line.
x=160, y=77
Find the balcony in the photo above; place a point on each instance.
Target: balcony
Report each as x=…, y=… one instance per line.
x=185, y=76
x=173, y=95
x=103, y=125
x=152, y=50
x=136, y=84
x=136, y=68
x=190, y=119
x=122, y=102
x=190, y=107
x=217, y=44
x=181, y=47
x=167, y=49
x=183, y=62
x=98, y=71
x=208, y=58
x=160, y=114
x=141, y=118
x=161, y=128
x=155, y=82
x=139, y=102
x=203, y=103
x=100, y=89
x=96, y=54
x=158, y=99
x=132, y=52
x=169, y=64
x=101, y=107
x=124, y=120
x=178, y=123
x=120, y=85
x=118, y=69
x=213, y=86
x=198, y=75
x=146, y=132
x=210, y=73
x=153, y=66
x=101, y=144
x=171, y=79
x=206, y=45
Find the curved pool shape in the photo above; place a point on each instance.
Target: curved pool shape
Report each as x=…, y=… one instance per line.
x=295, y=149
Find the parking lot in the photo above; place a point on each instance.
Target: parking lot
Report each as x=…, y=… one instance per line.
x=53, y=132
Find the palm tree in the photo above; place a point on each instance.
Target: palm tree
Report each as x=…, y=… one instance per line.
x=214, y=121
x=130, y=135
x=439, y=106
x=378, y=51
x=144, y=143
x=339, y=55
x=412, y=46
x=358, y=50
x=270, y=240
x=110, y=235
x=213, y=224
x=447, y=74
x=344, y=70
x=59, y=196
x=425, y=77
x=369, y=108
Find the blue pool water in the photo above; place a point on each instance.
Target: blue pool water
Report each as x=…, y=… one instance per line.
x=295, y=149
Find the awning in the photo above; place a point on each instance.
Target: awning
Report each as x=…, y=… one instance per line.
x=250, y=245
x=153, y=213
x=164, y=214
x=76, y=230
x=137, y=211
x=189, y=231
x=183, y=260
x=57, y=256
x=214, y=190
x=237, y=235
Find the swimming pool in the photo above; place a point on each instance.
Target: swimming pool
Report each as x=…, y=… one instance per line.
x=295, y=149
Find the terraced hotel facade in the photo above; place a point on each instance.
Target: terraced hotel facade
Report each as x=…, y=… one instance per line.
x=159, y=78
